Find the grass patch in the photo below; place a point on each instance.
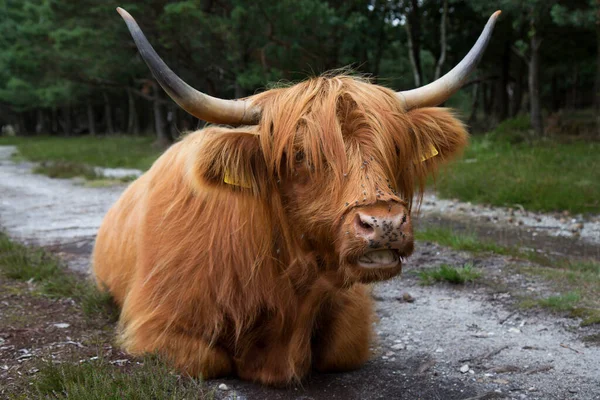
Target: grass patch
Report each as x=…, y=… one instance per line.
x=100, y=380
x=66, y=169
x=577, y=280
x=103, y=151
x=51, y=278
x=447, y=273
x=579, y=283
x=563, y=302
x=471, y=243
x=106, y=182
x=592, y=339
x=506, y=168
x=458, y=241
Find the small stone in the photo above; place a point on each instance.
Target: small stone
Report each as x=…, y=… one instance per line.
x=514, y=330
x=576, y=227
x=439, y=350
x=223, y=386
x=464, y=369
x=398, y=346
x=62, y=325
x=390, y=353
x=408, y=298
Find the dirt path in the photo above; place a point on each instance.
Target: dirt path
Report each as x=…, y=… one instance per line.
x=444, y=343
x=59, y=213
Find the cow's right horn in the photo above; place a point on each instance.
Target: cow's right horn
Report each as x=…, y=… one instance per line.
x=200, y=105
x=441, y=89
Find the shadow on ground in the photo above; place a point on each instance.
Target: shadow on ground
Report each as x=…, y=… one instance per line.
x=403, y=379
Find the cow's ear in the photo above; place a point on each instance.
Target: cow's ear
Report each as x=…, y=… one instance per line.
x=229, y=158
x=439, y=135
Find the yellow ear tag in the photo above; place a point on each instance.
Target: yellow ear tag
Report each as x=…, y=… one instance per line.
x=230, y=181
x=430, y=154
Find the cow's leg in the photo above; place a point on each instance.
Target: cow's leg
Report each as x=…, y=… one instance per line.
x=343, y=332
x=278, y=363
x=146, y=329
x=282, y=353
x=188, y=354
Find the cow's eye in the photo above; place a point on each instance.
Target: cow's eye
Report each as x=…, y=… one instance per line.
x=299, y=156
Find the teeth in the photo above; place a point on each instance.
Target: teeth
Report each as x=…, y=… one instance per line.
x=379, y=257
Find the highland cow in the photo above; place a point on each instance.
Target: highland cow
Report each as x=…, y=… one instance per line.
x=248, y=247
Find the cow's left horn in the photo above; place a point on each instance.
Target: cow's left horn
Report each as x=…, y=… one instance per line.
x=440, y=90
x=200, y=105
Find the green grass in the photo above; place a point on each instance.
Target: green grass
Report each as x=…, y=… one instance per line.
x=95, y=379
x=592, y=339
x=577, y=280
x=471, y=243
x=51, y=278
x=66, y=169
x=100, y=380
x=562, y=302
x=458, y=241
x=579, y=283
x=505, y=168
x=105, y=151
x=447, y=273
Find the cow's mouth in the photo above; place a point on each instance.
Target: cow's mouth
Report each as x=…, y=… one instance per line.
x=384, y=258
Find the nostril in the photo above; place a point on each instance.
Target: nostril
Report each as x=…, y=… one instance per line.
x=363, y=226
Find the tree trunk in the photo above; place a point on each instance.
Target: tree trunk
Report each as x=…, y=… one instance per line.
x=54, y=117
x=173, y=122
x=68, y=122
x=555, y=94
x=488, y=97
x=40, y=125
x=381, y=45
x=413, y=30
x=133, y=125
x=502, y=100
x=474, y=104
x=108, y=114
x=163, y=139
x=239, y=91
x=442, y=59
x=21, y=129
x=573, y=93
x=517, y=96
x=91, y=118
x=537, y=122
x=598, y=67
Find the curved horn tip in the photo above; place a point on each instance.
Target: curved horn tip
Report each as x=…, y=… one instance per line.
x=123, y=13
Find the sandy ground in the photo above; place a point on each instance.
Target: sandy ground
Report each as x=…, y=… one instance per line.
x=444, y=343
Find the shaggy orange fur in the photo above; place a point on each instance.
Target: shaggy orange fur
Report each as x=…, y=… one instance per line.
x=262, y=281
